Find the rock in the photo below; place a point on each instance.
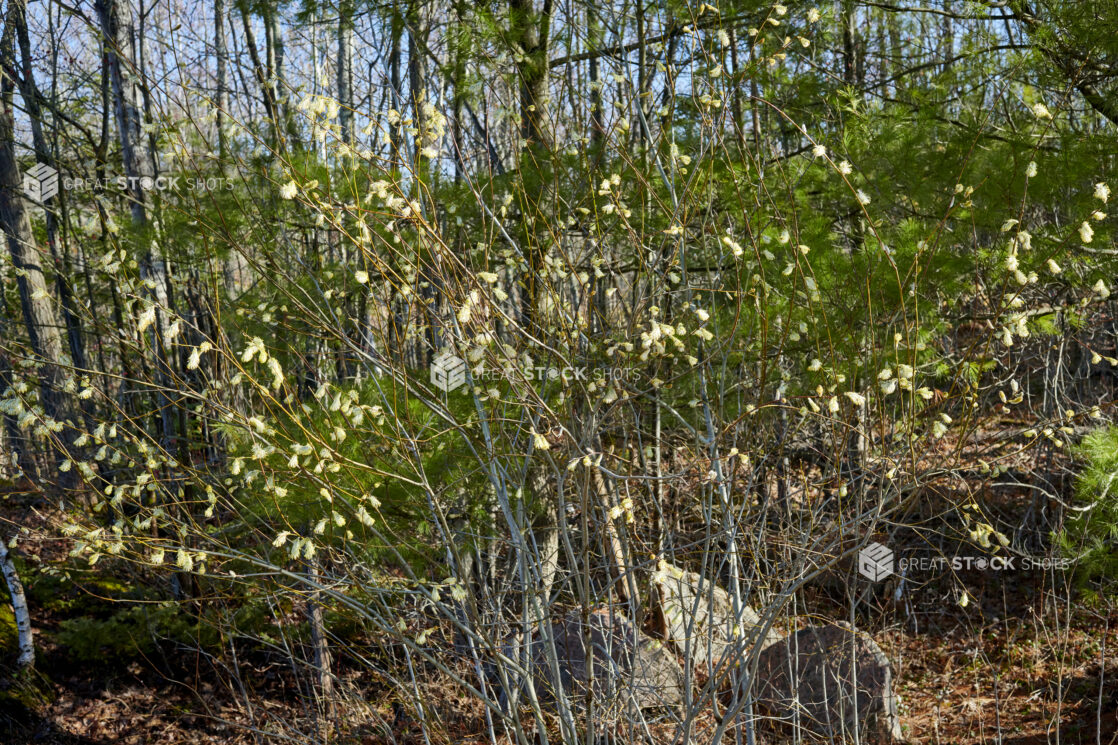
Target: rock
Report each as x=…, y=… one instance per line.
x=698, y=609
x=809, y=679
x=631, y=671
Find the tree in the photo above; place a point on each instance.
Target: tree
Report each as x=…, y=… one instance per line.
x=39, y=315
x=122, y=50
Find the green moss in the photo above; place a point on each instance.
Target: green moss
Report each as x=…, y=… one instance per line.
x=22, y=702
x=9, y=638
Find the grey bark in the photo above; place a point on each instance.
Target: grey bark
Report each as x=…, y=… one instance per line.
x=222, y=98
x=59, y=255
x=276, y=77
x=121, y=41
x=15, y=448
x=118, y=26
x=417, y=74
x=531, y=31
x=262, y=78
x=345, y=70
x=853, y=64
x=43, y=325
x=322, y=657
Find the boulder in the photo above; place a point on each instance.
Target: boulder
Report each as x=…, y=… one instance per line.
x=823, y=680
x=630, y=671
x=701, y=621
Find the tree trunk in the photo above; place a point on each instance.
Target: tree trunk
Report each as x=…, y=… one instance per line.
x=121, y=48
x=597, y=127
x=38, y=312
x=321, y=649
x=395, y=135
x=345, y=70
x=276, y=79
x=16, y=448
x=262, y=78
x=853, y=71
x=531, y=31
x=19, y=608
x=222, y=98
x=59, y=254
x=417, y=77
x=119, y=29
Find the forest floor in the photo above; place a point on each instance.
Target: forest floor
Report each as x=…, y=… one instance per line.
x=1017, y=666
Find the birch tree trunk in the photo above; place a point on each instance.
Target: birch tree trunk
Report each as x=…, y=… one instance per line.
x=19, y=608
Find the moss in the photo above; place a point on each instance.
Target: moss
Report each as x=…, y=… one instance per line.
x=9, y=636
x=22, y=702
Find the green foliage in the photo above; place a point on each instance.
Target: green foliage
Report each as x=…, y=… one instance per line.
x=365, y=452
x=129, y=632
x=801, y=258
x=1090, y=536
